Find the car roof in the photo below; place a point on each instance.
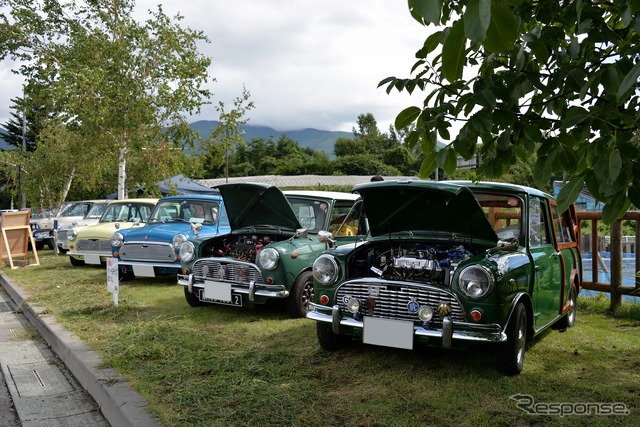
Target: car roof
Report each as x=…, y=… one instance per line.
x=215, y=197
x=337, y=195
x=139, y=200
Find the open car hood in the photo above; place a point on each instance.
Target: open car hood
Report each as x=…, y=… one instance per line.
x=251, y=204
x=425, y=206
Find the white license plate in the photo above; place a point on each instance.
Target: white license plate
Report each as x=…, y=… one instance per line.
x=143, y=271
x=219, y=293
x=388, y=333
x=92, y=259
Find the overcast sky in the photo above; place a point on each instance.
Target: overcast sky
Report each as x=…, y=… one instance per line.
x=307, y=63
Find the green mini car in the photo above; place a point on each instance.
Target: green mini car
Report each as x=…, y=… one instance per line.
x=448, y=264
x=270, y=250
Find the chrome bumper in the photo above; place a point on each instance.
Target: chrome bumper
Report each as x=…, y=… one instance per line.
x=447, y=332
x=252, y=289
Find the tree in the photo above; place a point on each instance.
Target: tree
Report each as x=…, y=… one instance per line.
x=228, y=134
x=120, y=86
x=558, y=79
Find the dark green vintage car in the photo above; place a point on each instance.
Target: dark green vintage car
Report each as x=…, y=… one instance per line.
x=270, y=250
x=449, y=264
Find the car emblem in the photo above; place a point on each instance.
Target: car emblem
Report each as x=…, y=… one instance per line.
x=221, y=273
x=413, y=306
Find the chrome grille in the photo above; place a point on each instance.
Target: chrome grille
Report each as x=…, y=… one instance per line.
x=223, y=270
x=147, y=252
x=62, y=235
x=392, y=298
x=94, y=245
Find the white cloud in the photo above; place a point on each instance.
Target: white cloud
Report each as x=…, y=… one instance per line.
x=306, y=63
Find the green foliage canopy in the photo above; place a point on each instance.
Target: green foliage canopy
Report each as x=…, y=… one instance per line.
x=557, y=79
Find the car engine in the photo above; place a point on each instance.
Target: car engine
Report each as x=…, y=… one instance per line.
x=242, y=247
x=418, y=262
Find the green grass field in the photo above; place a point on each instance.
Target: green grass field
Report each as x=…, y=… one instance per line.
x=223, y=366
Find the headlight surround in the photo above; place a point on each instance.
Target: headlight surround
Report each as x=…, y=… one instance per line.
x=178, y=240
x=116, y=240
x=325, y=270
x=187, y=252
x=476, y=281
x=268, y=258
x=72, y=234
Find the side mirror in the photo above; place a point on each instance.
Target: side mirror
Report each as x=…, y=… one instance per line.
x=326, y=236
x=509, y=244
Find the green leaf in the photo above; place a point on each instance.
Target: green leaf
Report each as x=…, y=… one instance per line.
x=574, y=116
x=634, y=195
x=569, y=193
x=503, y=29
x=617, y=207
x=450, y=161
x=476, y=19
x=426, y=11
x=453, y=53
x=629, y=81
x=407, y=116
x=429, y=164
x=615, y=164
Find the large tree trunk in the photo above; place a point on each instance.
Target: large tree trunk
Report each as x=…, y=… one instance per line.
x=122, y=170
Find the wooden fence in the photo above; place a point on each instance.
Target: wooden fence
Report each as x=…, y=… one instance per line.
x=593, y=242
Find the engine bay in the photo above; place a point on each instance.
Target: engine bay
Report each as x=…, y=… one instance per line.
x=420, y=262
x=243, y=247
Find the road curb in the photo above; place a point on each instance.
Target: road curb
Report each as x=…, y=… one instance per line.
x=120, y=404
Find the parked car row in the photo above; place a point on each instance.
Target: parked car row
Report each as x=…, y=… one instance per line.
x=394, y=263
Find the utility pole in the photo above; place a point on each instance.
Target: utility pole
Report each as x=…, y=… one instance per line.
x=22, y=202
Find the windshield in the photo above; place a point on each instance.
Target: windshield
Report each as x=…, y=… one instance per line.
x=196, y=211
x=77, y=209
x=312, y=214
x=126, y=212
x=96, y=210
x=503, y=212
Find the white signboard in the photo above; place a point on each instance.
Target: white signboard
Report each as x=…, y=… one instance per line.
x=112, y=278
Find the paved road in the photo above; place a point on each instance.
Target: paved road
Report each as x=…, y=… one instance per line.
x=37, y=389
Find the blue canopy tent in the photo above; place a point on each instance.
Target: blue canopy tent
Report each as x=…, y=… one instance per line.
x=178, y=184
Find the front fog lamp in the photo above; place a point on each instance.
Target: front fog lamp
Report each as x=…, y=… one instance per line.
x=116, y=240
x=353, y=305
x=187, y=252
x=325, y=270
x=268, y=258
x=72, y=234
x=178, y=240
x=425, y=313
x=475, y=281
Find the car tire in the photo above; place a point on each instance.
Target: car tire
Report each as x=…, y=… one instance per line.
x=192, y=299
x=569, y=319
x=327, y=339
x=510, y=354
x=76, y=262
x=50, y=244
x=301, y=295
x=40, y=245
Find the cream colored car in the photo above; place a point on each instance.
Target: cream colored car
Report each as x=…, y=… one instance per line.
x=91, y=244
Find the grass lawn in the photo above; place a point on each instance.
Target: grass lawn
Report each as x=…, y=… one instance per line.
x=224, y=366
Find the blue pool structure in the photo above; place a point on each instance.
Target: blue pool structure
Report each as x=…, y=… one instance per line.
x=604, y=276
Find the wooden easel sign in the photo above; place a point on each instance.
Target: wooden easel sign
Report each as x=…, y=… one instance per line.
x=15, y=237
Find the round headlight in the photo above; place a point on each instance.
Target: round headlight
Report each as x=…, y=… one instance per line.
x=268, y=258
x=325, y=269
x=117, y=239
x=353, y=305
x=187, y=252
x=178, y=240
x=72, y=234
x=475, y=281
x=425, y=313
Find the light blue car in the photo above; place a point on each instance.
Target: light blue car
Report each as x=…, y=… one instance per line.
x=154, y=249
